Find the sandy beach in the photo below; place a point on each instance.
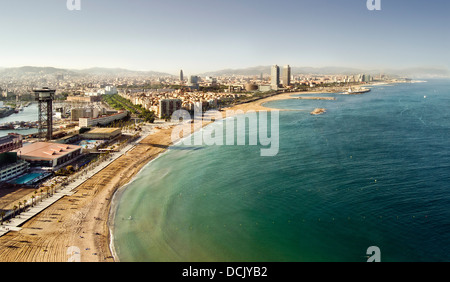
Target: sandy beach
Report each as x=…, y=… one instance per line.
x=81, y=220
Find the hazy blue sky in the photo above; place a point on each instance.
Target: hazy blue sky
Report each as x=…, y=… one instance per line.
x=203, y=35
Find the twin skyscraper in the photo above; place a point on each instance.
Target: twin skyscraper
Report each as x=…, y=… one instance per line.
x=275, y=77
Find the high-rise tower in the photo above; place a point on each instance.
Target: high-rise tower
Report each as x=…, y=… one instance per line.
x=275, y=77
x=286, y=75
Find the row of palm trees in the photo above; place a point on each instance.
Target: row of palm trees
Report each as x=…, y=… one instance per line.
x=22, y=205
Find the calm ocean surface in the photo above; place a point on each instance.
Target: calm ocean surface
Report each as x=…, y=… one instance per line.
x=372, y=171
x=29, y=113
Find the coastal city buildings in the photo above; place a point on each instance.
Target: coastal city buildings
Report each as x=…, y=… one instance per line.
x=82, y=96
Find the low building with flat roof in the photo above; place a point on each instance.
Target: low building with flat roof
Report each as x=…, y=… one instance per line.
x=49, y=155
x=84, y=99
x=103, y=120
x=102, y=134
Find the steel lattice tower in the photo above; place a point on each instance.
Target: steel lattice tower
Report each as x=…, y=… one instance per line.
x=45, y=97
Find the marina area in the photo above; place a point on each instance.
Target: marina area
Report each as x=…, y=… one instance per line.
x=6, y=111
x=23, y=122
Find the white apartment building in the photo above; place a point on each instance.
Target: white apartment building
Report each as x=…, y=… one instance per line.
x=88, y=122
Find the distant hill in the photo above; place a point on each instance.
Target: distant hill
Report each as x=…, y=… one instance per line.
x=39, y=71
x=245, y=71
x=417, y=72
x=34, y=70
x=421, y=72
x=120, y=71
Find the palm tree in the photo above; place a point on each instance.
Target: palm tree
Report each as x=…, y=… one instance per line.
x=19, y=206
x=2, y=213
x=14, y=209
x=32, y=199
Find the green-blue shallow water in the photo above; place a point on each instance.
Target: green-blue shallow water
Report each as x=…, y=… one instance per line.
x=372, y=171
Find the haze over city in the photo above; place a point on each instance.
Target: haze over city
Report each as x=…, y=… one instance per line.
x=200, y=36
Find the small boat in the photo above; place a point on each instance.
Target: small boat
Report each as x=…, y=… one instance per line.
x=18, y=127
x=357, y=91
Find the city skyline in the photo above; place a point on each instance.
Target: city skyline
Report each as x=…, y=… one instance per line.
x=201, y=36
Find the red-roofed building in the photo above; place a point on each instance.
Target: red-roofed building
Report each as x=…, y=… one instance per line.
x=49, y=155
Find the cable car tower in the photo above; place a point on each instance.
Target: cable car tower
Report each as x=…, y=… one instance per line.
x=45, y=97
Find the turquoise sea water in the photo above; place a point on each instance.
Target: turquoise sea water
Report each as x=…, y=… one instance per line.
x=372, y=171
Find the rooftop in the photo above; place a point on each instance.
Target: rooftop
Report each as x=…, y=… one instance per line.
x=8, y=138
x=99, y=130
x=47, y=150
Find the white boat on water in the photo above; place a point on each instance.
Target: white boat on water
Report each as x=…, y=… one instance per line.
x=18, y=127
x=357, y=91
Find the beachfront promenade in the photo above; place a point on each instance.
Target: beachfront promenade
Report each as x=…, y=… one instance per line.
x=15, y=223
